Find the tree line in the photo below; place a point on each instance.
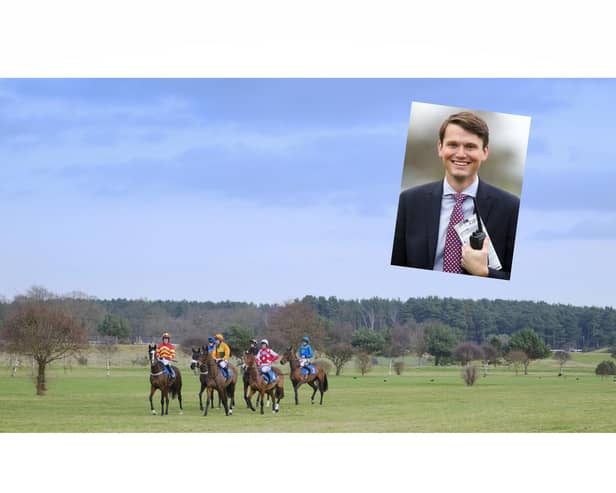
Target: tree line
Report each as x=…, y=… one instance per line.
x=376, y=322
x=46, y=327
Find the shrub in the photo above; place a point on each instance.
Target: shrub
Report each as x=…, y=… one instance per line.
x=325, y=364
x=469, y=374
x=82, y=360
x=605, y=368
x=399, y=367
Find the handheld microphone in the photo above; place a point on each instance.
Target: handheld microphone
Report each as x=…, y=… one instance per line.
x=476, y=239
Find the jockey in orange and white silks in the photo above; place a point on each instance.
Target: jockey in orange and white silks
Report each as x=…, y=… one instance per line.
x=265, y=358
x=165, y=352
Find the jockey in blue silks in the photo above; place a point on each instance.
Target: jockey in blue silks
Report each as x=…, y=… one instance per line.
x=305, y=353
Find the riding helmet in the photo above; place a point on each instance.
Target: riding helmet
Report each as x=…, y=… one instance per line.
x=166, y=335
x=265, y=341
x=219, y=337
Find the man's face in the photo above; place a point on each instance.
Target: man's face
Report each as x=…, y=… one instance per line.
x=462, y=153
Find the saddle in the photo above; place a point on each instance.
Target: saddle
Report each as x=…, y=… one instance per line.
x=226, y=372
x=270, y=377
x=308, y=370
x=169, y=371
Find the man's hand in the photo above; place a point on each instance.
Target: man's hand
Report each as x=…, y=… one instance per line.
x=475, y=262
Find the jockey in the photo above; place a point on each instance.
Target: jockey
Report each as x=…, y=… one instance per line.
x=265, y=358
x=305, y=353
x=221, y=353
x=211, y=344
x=165, y=352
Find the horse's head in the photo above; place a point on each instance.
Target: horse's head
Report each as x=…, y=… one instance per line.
x=154, y=363
x=152, y=352
x=249, y=360
x=288, y=354
x=196, y=353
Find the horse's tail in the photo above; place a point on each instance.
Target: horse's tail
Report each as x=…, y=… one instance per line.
x=177, y=384
x=325, y=385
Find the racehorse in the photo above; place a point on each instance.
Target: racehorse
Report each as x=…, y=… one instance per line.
x=257, y=383
x=194, y=366
x=245, y=381
x=162, y=381
x=318, y=381
x=212, y=379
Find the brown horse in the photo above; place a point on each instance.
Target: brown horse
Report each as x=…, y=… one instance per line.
x=212, y=379
x=162, y=381
x=245, y=381
x=318, y=381
x=257, y=383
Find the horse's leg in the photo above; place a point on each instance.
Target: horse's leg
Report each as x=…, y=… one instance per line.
x=201, y=397
x=245, y=391
x=262, y=399
x=248, y=401
x=274, y=400
x=296, y=384
x=152, y=390
x=162, y=402
x=208, y=398
x=314, y=390
x=222, y=396
x=231, y=389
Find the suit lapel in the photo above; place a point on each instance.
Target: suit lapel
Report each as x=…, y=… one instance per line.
x=434, y=198
x=484, y=202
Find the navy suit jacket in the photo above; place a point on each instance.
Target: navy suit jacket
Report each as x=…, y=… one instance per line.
x=419, y=211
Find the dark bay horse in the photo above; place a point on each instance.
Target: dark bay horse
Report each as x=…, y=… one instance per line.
x=195, y=367
x=160, y=380
x=257, y=383
x=318, y=381
x=211, y=378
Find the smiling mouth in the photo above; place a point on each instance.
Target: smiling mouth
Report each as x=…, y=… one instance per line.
x=460, y=163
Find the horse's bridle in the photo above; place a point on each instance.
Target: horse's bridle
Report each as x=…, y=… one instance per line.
x=152, y=353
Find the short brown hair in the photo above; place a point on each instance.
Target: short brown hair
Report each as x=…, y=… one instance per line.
x=469, y=122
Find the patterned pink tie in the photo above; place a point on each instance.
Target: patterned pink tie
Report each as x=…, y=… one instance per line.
x=452, y=254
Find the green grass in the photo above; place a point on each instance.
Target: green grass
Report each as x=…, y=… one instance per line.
x=425, y=399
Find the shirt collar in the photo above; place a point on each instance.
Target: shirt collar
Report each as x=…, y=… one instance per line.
x=471, y=190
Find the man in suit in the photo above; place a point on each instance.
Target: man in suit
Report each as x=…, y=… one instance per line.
x=425, y=237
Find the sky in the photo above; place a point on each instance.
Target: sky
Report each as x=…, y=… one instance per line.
x=266, y=190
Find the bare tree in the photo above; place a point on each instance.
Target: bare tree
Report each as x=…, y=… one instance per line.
x=289, y=323
x=490, y=354
x=562, y=357
x=516, y=358
x=43, y=331
x=107, y=348
x=340, y=354
x=418, y=343
x=364, y=362
x=466, y=352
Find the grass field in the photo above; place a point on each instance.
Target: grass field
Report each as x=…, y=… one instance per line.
x=425, y=399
